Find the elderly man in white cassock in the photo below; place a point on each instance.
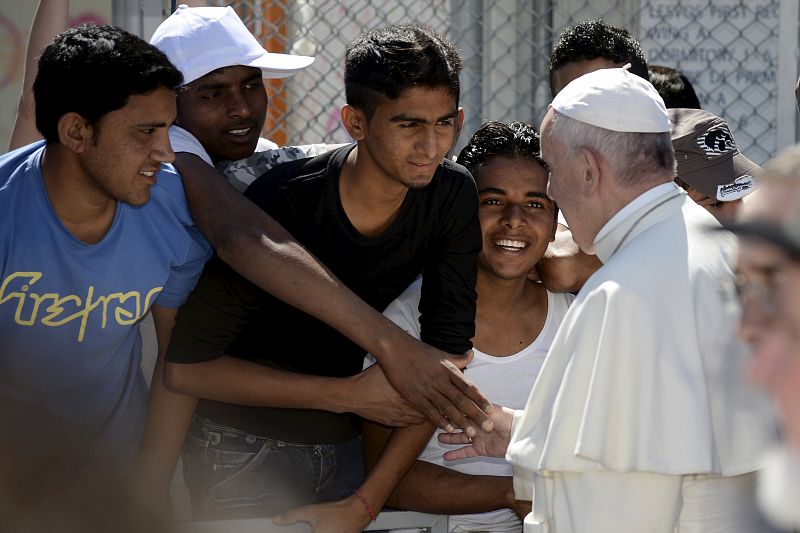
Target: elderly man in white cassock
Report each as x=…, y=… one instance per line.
x=641, y=420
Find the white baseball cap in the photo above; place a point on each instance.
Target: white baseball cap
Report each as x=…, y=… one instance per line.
x=614, y=99
x=198, y=40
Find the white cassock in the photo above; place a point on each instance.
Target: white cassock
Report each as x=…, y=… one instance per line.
x=641, y=419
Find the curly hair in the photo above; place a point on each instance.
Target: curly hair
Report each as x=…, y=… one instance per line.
x=516, y=140
x=593, y=39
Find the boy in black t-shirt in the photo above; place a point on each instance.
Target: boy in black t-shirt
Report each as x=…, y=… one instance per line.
x=276, y=427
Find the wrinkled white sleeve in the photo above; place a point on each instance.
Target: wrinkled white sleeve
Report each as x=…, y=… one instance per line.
x=183, y=141
x=265, y=144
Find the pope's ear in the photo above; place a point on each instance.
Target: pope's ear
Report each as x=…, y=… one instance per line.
x=74, y=132
x=355, y=122
x=590, y=167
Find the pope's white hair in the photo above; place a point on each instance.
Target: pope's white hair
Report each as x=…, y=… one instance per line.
x=632, y=156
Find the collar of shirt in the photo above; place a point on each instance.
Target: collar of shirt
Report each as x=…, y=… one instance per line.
x=615, y=231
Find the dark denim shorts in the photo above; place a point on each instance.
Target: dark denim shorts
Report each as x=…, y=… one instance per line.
x=232, y=474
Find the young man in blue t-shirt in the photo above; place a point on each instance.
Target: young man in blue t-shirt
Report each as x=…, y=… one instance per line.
x=94, y=233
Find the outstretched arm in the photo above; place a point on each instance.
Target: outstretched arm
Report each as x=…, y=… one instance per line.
x=51, y=19
x=232, y=380
x=431, y=488
x=396, y=477
x=262, y=251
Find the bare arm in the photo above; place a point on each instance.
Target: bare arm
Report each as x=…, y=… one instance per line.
x=51, y=19
x=564, y=267
x=232, y=380
x=397, y=477
x=265, y=253
x=431, y=488
x=350, y=515
x=168, y=418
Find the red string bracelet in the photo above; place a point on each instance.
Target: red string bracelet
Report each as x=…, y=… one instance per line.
x=370, y=512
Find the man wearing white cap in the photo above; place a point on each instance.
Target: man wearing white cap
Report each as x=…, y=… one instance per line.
x=640, y=419
x=222, y=104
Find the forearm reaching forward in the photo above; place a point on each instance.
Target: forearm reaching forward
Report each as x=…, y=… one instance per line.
x=261, y=250
x=431, y=488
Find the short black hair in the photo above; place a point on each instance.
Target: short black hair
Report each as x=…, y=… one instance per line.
x=516, y=140
x=93, y=70
x=387, y=61
x=674, y=87
x=593, y=39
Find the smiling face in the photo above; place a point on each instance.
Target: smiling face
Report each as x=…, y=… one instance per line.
x=407, y=138
x=128, y=147
x=516, y=216
x=225, y=110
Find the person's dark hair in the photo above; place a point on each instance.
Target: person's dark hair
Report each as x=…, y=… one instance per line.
x=515, y=140
x=387, y=61
x=674, y=87
x=93, y=70
x=593, y=39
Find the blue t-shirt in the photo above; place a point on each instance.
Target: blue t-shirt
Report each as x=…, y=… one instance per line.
x=70, y=349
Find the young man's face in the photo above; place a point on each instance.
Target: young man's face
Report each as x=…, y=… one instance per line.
x=517, y=218
x=561, y=77
x=129, y=146
x=225, y=110
x=408, y=137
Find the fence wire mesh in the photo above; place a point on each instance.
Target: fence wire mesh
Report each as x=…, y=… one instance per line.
x=728, y=49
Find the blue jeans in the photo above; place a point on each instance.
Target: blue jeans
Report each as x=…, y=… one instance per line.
x=232, y=474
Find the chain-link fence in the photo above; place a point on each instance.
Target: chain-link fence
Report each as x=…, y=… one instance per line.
x=739, y=55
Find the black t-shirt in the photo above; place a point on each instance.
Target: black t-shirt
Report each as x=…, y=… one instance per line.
x=436, y=230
